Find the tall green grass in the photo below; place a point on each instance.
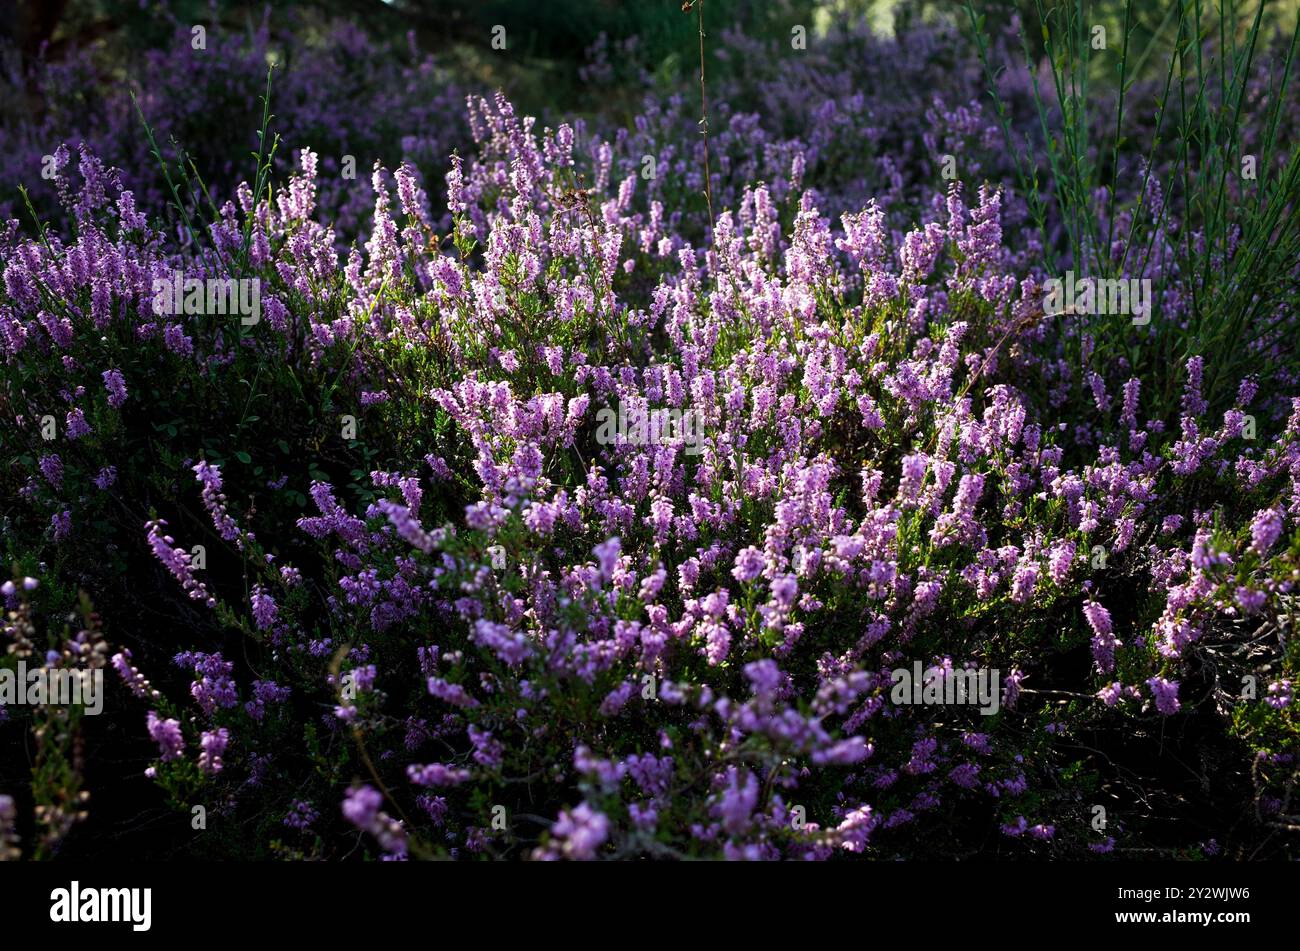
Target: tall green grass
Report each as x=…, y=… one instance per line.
x=1235, y=242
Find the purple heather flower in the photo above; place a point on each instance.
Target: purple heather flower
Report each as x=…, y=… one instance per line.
x=301, y=815
x=131, y=676
x=1011, y=688
x=578, y=834
x=1111, y=694
x=1104, y=641
x=167, y=734
x=177, y=561
x=607, y=557
x=77, y=426
x=434, y=806
x=1279, y=694
x=215, y=502
x=213, y=745
x=265, y=692
x=213, y=687
x=1061, y=560
x=512, y=647
x=361, y=806
x=1166, y=695
x=1017, y=828
x=856, y=829
x=454, y=694
x=735, y=805
x=51, y=467
x=115, y=384
x=1193, y=404
x=265, y=611
x=1265, y=530
x=436, y=774
x=749, y=565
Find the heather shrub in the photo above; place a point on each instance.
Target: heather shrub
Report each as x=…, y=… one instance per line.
x=550, y=519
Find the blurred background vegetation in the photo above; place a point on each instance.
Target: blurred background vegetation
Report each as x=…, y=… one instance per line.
x=549, y=40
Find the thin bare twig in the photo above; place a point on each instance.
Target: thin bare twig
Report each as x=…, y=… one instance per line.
x=704, y=111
